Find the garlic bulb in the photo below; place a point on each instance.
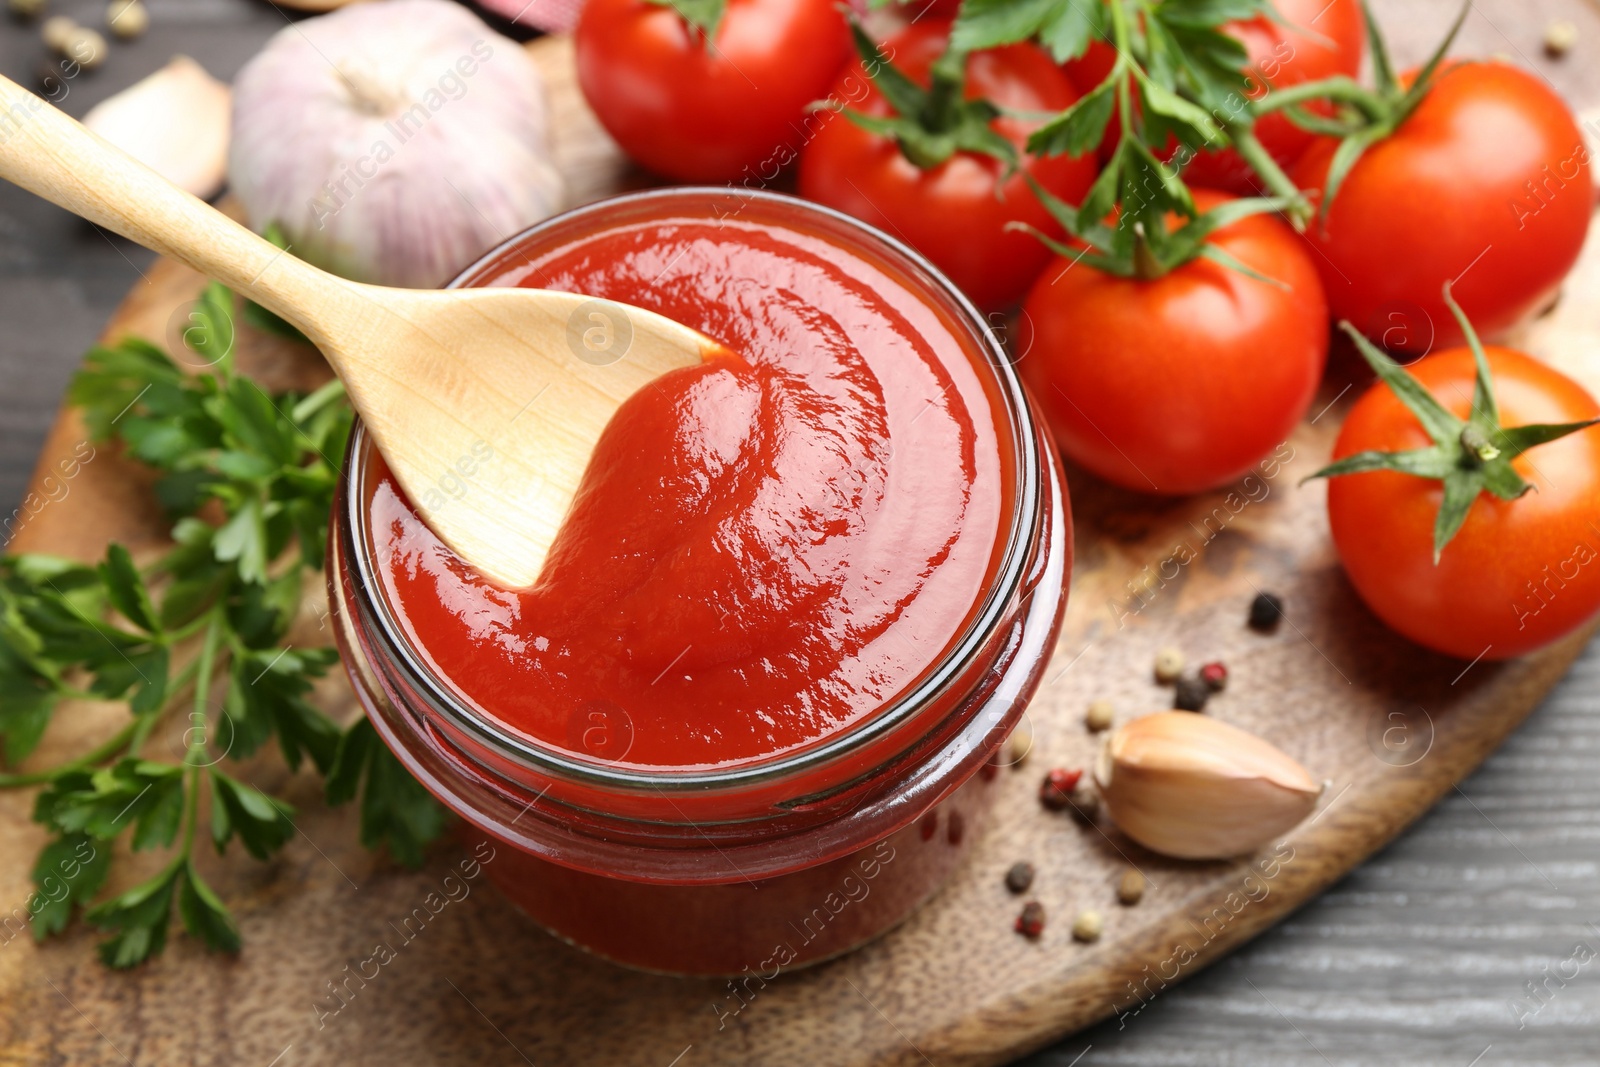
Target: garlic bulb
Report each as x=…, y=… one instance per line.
x=175, y=122
x=393, y=142
x=1189, y=786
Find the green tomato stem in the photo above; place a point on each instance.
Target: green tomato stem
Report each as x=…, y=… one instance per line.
x=1477, y=444
x=1145, y=265
x=1341, y=89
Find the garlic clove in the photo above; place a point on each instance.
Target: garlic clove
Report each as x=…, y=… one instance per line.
x=175, y=122
x=1189, y=786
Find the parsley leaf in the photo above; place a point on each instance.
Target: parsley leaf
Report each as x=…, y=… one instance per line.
x=204, y=914
x=69, y=871
x=395, y=808
x=248, y=477
x=262, y=824
x=1065, y=27
x=139, y=918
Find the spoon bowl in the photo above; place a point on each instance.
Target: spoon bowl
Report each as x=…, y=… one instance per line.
x=485, y=403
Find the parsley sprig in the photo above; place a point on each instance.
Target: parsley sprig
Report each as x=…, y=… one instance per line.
x=1179, y=84
x=248, y=477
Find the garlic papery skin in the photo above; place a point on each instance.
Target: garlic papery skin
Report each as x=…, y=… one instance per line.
x=1189, y=786
x=393, y=142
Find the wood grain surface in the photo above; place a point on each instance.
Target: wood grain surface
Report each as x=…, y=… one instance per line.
x=953, y=985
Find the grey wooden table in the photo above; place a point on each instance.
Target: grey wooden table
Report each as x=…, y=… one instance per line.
x=1472, y=940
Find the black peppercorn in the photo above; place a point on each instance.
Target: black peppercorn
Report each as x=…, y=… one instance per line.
x=1191, y=694
x=1019, y=877
x=1265, y=611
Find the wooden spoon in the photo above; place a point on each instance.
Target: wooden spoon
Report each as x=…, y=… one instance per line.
x=486, y=403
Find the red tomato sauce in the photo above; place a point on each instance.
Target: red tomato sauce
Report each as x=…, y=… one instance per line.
x=764, y=551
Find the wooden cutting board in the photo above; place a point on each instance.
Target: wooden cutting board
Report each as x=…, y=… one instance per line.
x=1390, y=726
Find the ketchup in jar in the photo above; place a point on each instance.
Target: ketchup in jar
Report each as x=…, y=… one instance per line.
x=799, y=602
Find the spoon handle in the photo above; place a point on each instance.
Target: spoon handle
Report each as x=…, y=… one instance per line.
x=52, y=155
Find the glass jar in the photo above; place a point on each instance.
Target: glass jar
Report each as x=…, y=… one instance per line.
x=770, y=864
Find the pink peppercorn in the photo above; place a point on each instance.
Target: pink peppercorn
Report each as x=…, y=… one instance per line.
x=1055, y=792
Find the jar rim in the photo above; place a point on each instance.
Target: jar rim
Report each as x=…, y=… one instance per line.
x=1028, y=498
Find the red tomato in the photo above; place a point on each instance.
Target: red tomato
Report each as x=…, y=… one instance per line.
x=1320, y=40
x=1520, y=573
x=713, y=111
x=955, y=213
x=1091, y=68
x=1487, y=182
x=1183, y=382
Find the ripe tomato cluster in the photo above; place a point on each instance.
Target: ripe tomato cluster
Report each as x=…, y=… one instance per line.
x=733, y=101
x=1172, y=362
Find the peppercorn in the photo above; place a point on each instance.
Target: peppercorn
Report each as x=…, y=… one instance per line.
x=929, y=825
x=1215, y=675
x=1099, y=715
x=1019, y=877
x=127, y=18
x=87, y=47
x=1169, y=665
x=1191, y=694
x=1055, y=792
x=56, y=31
x=1084, y=802
x=1265, y=611
x=1087, y=926
x=1131, y=889
x=1030, y=923
x=1020, y=744
x=25, y=10
x=1559, y=37
x=955, y=828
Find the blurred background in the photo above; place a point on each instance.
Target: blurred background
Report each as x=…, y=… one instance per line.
x=1453, y=947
